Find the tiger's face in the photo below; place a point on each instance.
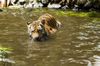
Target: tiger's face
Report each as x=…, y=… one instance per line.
x=45, y=26
x=36, y=31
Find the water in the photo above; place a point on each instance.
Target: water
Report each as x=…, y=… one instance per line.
x=77, y=43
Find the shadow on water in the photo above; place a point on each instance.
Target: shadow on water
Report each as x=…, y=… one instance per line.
x=75, y=44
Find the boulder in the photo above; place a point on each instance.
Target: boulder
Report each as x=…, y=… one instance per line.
x=55, y=6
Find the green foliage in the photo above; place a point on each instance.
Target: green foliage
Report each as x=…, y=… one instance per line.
x=92, y=14
x=5, y=49
x=4, y=56
x=4, y=52
x=78, y=14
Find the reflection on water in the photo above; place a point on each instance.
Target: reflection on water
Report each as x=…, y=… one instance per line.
x=95, y=61
x=77, y=43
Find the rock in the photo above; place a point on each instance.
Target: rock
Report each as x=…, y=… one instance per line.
x=29, y=5
x=34, y=4
x=12, y=2
x=64, y=7
x=38, y=5
x=55, y=6
x=76, y=8
x=22, y=2
x=15, y=7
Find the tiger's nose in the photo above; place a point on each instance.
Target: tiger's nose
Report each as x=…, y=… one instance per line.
x=40, y=30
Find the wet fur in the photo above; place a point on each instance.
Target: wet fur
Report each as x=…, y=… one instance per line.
x=42, y=28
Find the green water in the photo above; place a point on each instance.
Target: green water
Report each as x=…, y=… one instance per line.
x=76, y=41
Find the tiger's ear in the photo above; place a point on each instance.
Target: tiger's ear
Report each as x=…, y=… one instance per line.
x=43, y=21
x=28, y=23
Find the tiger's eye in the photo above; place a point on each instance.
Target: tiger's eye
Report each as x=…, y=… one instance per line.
x=50, y=28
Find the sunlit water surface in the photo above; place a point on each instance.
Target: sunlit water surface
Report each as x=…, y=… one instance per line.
x=77, y=43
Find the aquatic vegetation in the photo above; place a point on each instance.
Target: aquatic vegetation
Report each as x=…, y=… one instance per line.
x=4, y=55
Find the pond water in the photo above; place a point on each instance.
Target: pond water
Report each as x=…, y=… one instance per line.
x=77, y=43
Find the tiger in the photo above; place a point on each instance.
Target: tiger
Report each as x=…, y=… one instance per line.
x=43, y=27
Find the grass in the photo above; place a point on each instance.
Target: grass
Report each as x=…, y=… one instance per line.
x=93, y=14
x=5, y=49
x=4, y=52
x=79, y=14
x=59, y=12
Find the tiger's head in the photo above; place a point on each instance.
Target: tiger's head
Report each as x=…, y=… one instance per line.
x=37, y=31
